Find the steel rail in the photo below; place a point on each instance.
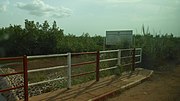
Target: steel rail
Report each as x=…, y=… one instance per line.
x=49, y=68
x=11, y=88
x=108, y=51
x=46, y=56
x=111, y=59
x=83, y=53
x=83, y=63
x=11, y=58
x=3, y=75
x=104, y=69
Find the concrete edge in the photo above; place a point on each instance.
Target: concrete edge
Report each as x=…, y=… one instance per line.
x=121, y=89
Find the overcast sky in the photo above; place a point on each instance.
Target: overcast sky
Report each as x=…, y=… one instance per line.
x=95, y=16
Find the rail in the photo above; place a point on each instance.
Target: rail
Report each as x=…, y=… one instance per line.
x=87, y=62
x=46, y=56
x=120, y=57
x=45, y=69
x=24, y=60
x=69, y=66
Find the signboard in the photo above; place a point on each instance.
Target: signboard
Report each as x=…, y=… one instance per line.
x=117, y=37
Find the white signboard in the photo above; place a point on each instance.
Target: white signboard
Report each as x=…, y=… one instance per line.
x=117, y=37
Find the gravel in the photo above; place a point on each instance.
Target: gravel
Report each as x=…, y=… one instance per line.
x=18, y=80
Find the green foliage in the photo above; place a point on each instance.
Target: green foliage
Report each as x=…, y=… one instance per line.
x=36, y=39
x=158, y=49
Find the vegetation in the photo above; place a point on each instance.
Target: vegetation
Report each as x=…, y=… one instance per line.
x=159, y=49
x=36, y=39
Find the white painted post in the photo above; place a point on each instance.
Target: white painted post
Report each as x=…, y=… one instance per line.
x=141, y=55
x=119, y=57
x=69, y=70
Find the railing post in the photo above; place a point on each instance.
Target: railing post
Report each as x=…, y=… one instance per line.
x=141, y=55
x=97, y=65
x=133, y=59
x=25, y=68
x=69, y=71
x=119, y=57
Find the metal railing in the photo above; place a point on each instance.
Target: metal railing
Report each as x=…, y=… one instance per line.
x=120, y=58
x=69, y=66
x=88, y=62
x=45, y=69
x=24, y=60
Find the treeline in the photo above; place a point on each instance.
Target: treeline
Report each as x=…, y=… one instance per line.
x=37, y=39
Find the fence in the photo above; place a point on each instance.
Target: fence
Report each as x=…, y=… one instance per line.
x=119, y=57
x=24, y=60
x=69, y=65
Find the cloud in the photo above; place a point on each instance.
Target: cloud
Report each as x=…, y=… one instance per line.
x=3, y=5
x=39, y=8
x=3, y=8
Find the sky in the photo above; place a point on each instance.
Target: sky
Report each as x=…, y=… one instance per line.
x=95, y=16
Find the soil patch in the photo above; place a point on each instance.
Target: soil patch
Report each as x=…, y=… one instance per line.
x=162, y=86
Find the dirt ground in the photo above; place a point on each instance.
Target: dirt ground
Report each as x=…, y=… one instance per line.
x=162, y=86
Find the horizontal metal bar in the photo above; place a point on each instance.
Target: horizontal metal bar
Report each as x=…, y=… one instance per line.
x=138, y=48
x=83, y=63
x=109, y=51
x=46, y=56
x=44, y=69
x=8, y=89
x=137, y=55
x=112, y=59
x=82, y=53
x=11, y=58
x=126, y=57
x=137, y=62
x=3, y=75
x=83, y=73
x=126, y=49
x=41, y=82
x=108, y=68
x=10, y=64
